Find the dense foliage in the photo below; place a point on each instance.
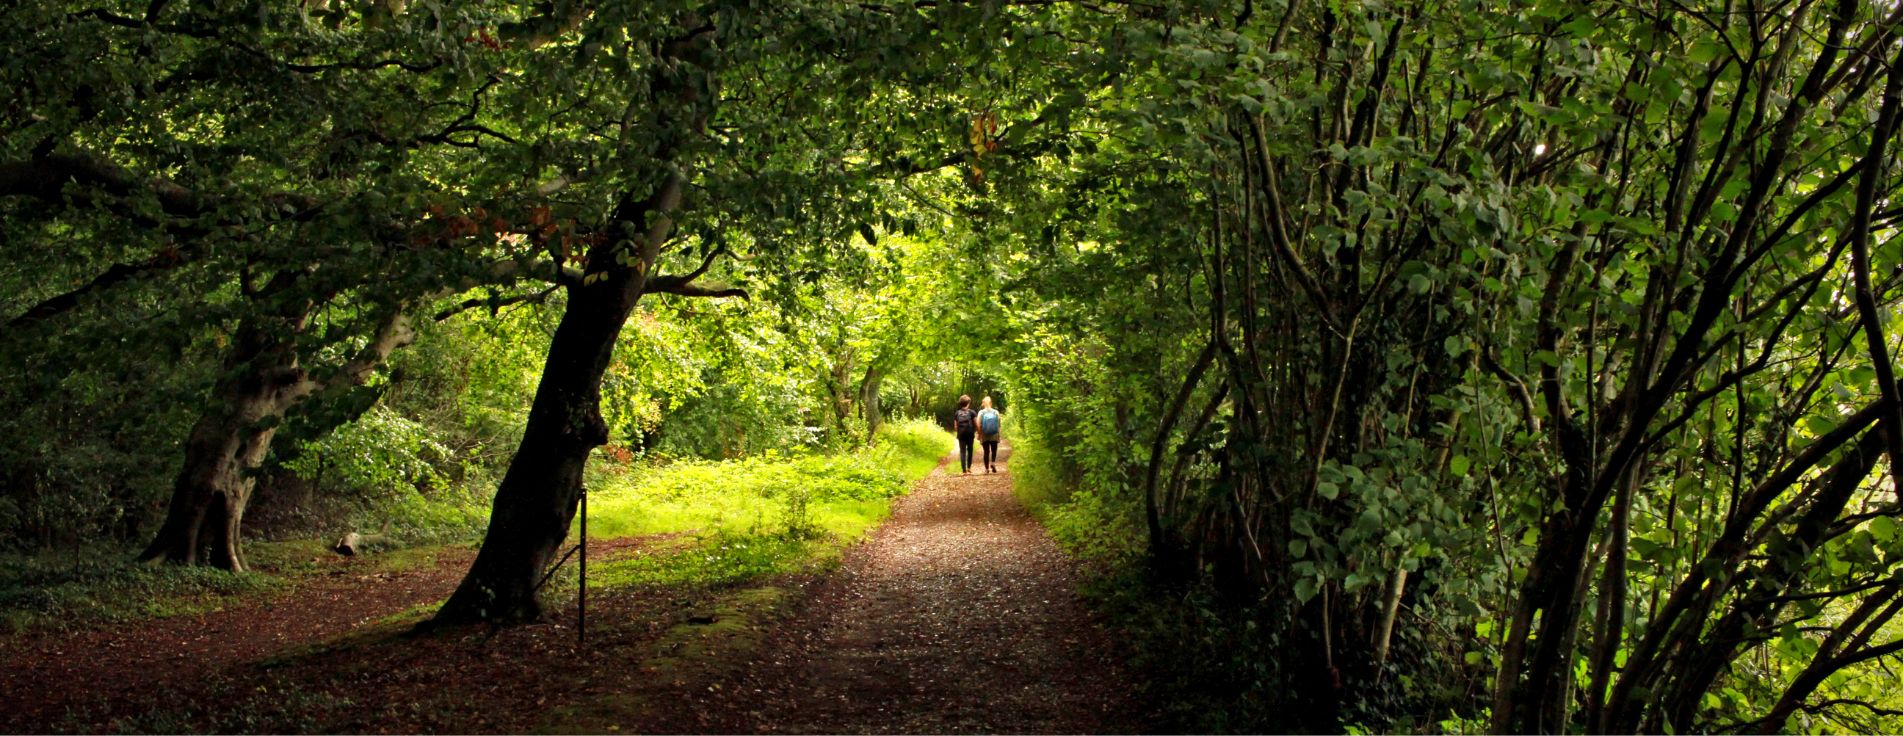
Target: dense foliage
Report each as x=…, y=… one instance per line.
x=1523, y=363
x=1513, y=366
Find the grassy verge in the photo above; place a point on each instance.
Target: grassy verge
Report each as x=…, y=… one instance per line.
x=1089, y=526
x=105, y=587
x=747, y=519
x=51, y=592
x=741, y=520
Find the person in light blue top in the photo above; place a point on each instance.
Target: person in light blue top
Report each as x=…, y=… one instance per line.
x=990, y=427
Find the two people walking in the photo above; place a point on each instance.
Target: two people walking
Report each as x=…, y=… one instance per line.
x=984, y=425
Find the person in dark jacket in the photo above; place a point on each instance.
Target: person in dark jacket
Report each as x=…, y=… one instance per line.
x=965, y=425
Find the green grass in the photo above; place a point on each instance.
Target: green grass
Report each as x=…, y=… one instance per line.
x=747, y=519
x=722, y=559
x=803, y=496
x=755, y=517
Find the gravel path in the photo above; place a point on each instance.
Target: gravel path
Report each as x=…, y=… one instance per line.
x=959, y=615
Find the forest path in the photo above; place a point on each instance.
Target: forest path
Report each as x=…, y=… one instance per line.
x=74, y=679
x=49, y=672
x=959, y=615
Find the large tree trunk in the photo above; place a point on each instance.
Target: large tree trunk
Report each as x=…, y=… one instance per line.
x=208, y=498
x=538, y=496
x=227, y=443
x=262, y=382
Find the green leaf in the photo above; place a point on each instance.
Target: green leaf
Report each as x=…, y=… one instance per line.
x=1883, y=528
x=1705, y=50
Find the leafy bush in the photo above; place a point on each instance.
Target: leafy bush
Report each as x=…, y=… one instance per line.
x=378, y=455
x=393, y=469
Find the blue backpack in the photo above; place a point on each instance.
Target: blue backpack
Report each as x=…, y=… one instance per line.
x=988, y=422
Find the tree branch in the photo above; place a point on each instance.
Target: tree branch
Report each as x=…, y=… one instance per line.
x=664, y=283
x=708, y=290
x=494, y=303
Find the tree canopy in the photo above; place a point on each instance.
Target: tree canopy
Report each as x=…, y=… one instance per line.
x=1526, y=362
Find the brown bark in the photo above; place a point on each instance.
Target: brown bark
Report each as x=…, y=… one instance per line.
x=540, y=492
x=538, y=495
x=263, y=381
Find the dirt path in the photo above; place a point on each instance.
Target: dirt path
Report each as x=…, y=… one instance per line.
x=47, y=673
x=959, y=615
x=49, y=676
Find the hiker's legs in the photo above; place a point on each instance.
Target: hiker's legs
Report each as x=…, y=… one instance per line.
x=991, y=454
x=964, y=453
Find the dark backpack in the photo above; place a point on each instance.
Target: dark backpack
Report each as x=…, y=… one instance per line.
x=962, y=421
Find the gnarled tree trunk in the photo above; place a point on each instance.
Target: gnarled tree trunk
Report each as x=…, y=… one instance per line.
x=263, y=381
x=208, y=499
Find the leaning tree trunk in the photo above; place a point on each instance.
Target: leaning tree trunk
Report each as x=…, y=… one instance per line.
x=537, y=498
x=539, y=493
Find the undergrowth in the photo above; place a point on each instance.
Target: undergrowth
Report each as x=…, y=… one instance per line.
x=62, y=592
x=754, y=517
x=1204, y=666
x=1088, y=525
x=744, y=519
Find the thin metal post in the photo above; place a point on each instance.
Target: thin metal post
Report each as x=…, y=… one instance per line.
x=581, y=628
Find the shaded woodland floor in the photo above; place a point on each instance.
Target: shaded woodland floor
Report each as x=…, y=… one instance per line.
x=957, y=615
